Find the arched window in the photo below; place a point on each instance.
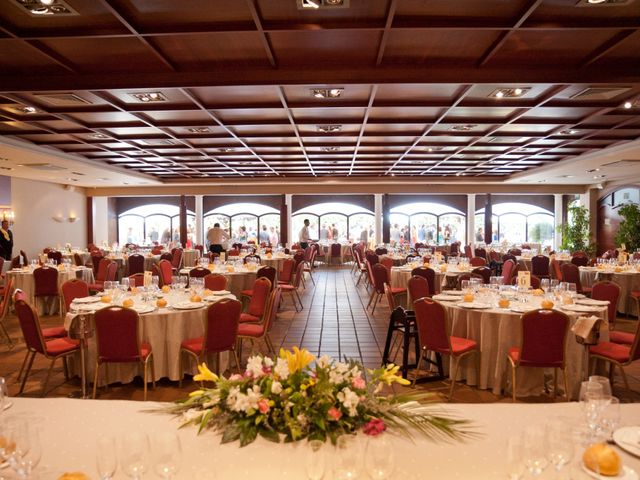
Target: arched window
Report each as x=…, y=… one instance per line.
x=245, y=222
x=153, y=223
x=425, y=222
x=335, y=222
x=519, y=223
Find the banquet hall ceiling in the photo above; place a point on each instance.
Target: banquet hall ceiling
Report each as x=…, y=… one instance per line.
x=192, y=89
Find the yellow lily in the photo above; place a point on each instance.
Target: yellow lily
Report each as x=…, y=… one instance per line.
x=298, y=359
x=195, y=393
x=205, y=374
x=390, y=376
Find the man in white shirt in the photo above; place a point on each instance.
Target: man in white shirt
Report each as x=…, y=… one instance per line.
x=395, y=235
x=303, y=236
x=217, y=238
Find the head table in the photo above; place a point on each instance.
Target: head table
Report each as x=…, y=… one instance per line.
x=69, y=430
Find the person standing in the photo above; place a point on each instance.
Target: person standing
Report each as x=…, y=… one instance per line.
x=324, y=233
x=263, y=237
x=334, y=232
x=217, y=239
x=6, y=240
x=303, y=236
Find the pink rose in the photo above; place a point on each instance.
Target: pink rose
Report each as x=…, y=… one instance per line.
x=358, y=382
x=235, y=377
x=263, y=405
x=334, y=414
x=374, y=427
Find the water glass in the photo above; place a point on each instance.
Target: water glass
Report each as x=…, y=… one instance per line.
x=604, y=381
x=348, y=457
x=166, y=452
x=535, y=449
x=134, y=454
x=545, y=284
x=379, y=458
x=610, y=417
x=515, y=459
x=125, y=283
x=106, y=458
x=316, y=460
x=560, y=443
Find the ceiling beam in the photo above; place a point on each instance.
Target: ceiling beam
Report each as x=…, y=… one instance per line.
x=607, y=46
x=257, y=19
x=387, y=30
x=283, y=100
x=372, y=96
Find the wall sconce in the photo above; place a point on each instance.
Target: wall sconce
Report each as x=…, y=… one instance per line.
x=8, y=215
x=58, y=218
x=72, y=218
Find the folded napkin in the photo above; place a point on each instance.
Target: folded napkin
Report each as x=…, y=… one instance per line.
x=584, y=326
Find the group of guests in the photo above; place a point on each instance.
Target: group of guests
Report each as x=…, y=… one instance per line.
x=218, y=238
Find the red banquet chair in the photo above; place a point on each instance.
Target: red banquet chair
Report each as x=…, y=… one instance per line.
x=55, y=256
x=484, y=272
x=335, y=253
x=118, y=341
x=176, y=260
x=418, y=287
x=429, y=274
x=292, y=288
x=478, y=262
x=258, y=303
x=136, y=280
x=616, y=354
x=136, y=264
x=555, y=271
x=571, y=274
x=215, y=282
x=4, y=309
x=260, y=331
x=285, y=276
x=543, y=346
x=199, y=272
x=380, y=278
x=166, y=272
x=107, y=270
x=72, y=289
x=45, y=281
x=263, y=272
x=540, y=266
x=431, y=320
x=51, y=349
x=610, y=291
x=220, y=335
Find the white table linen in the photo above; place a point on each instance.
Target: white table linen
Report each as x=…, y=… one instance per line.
x=627, y=280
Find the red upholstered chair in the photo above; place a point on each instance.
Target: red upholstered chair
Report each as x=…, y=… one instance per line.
x=515, y=251
x=263, y=272
x=610, y=291
x=481, y=253
x=234, y=252
x=157, y=250
x=336, y=253
x=4, y=308
x=215, y=282
x=55, y=256
x=166, y=272
x=77, y=259
x=507, y=271
x=200, y=248
x=118, y=341
x=580, y=260
x=618, y=354
x=571, y=274
x=257, y=306
x=635, y=295
x=72, y=289
x=309, y=263
x=484, y=272
x=45, y=283
x=543, y=346
x=101, y=274
x=292, y=288
x=556, y=272
x=467, y=251
x=540, y=266
x=509, y=256
x=136, y=264
x=136, y=280
x=252, y=257
x=381, y=251
x=478, y=262
x=387, y=262
x=51, y=349
x=96, y=258
x=260, y=331
x=176, y=261
x=372, y=257
x=431, y=320
x=220, y=335
x=166, y=256
x=155, y=272
x=15, y=262
x=454, y=249
x=380, y=278
x=429, y=274
x=285, y=276
x=199, y=272
x=466, y=276
x=418, y=287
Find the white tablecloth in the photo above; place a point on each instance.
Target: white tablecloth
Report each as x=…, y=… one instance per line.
x=628, y=281
x=400, y=277
x=190, y=257
x=70, y=428
x=236, y=280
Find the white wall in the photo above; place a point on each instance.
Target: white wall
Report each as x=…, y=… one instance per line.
x=35, y=204
x=100, y=220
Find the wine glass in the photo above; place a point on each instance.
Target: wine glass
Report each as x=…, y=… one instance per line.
x=125, y=283
x=560, y=443
x=106, y=459
x=610, y=417
x=348, y=457
x=515, y=463
x=545, y=284
x=379, y=459
x=604, y=381
x=166, y=452
x=535, y=449
x=316, y=461
x=23, y=448
x=134, y=453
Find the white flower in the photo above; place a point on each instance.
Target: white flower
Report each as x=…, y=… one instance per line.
x=303, y=420
x=213, y=401
x=191, y=414
x=324, y=361
x=254, y=366
x=282, y=368
x=241, y=402
x=349, y=400
x=335, y=377
x=355, y=372
x=276, y=387
x=268, y=362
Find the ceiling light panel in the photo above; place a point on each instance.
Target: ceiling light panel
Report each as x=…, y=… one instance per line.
x=148, y=97
x=515, y=92
x=47, y=8
x=327, y=92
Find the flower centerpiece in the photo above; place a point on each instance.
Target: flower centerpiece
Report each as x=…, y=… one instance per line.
x=297, y=396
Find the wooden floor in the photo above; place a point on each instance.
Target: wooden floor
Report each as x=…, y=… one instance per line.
x=334, y=321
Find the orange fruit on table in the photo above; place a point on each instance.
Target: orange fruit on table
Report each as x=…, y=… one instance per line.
x=166, y=289
x=134, y=290
x=538, y=291
x=468, y=297
x=548, y=304
x=196, y=298
x=504, y=303
x=602, y=458
x=127, y=303
x=207, y=292
x=161, y=302
x=567, y=300
x=106, y=299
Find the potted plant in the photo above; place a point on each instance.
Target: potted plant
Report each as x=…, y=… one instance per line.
x=575, y=232
x=629, y=231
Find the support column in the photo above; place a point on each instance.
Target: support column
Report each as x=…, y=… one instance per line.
x=471, y=220
x=386, y=219
x=284, y=220
x=89, y=208
x=488, y=220
x=289, y=238
x=558, y=220
x=183, y=220
x=199, y=221
x=378, y=218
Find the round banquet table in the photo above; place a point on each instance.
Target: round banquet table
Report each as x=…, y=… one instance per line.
x=238, y=280
x=84, y=256
x=23, y=279
x=275, y=261
x=190, y=257
x=400, y=277
x=164, y=329
x=525, y=263
x=496, y=330
x=627, y=280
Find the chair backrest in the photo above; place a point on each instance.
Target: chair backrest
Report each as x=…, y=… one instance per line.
x=297, y=278
x=156, y=272
x=466, y=276
x=371, y=257
x=19, y=295
x=481, y=252
x=607, y=291
x=286, y=274
x=267, y=272
x=429, y=274
x=515, y=251
x=298, y=257
x=112, y=272
x=391, y=300
x=467, y=251
x=96, y=257
x=260, y=297
x=176, y=261
x=540, y=265
x=543, y=338
x=508, y=256
x=571, y=274
x=507, y=271
x=199, y=272
x=6, y=299
x=380, y=277
x=77, y=259
x=25, y=260
x=555, y=271
x=215, y=282
x=136, y=264
x=484, y=272
x=274, y=304
x=30, y=326
x=255, y=258
x=166, y=271
x=72, y=289
x=494, y=256
x=55, y=256
x=223, y=317
x=454, y=248
x=580, y=261
x=167, y=256
x=45, y=282
x=234, y=252
x=15, y=262
x=136, y=280
x=336, y=250
x=308, y=253
x=200, y=248
x=117, y=337
x=418, y=287
x=381, y=251
x=478, y=261
x=387, y=262
x=101, y=273
x=431, y=320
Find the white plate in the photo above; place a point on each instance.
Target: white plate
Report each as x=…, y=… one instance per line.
x=453, y=292
x=626, y=474
x=446, y=298
x=187, y=305
x=474, y=305
x=220, y=292
x=522, y=308
x=580, y=308
x=91, y=299
x=590, y=301
x=628, y=439
x=143, y=309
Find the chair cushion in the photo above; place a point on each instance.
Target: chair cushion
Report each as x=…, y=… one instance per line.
x=250, y=330
x=54, y=332
x=193, y=345
x=614, y=351
x=248, y=318
x=514, y=354
x=635, y=294
x=145, y=350
x=59, y=346
x=247, y=293
x=462, y=345
x=287, y=288
x=398, y=290
x=625, y=338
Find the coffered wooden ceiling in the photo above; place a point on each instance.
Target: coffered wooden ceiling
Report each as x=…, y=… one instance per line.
x=231, y=85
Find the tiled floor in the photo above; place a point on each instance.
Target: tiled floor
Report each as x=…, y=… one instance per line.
x=334, y=321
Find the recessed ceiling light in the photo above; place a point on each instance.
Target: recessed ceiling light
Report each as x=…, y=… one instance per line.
x=148, y=97
x=330, y=149
x=593, y=170
x=226, y=149
x=327, y=92
x=509, y=92
x=628, y=105
x=329, y=128
x=434, y=149
x=99, y=136
x=596, y=177
x=39, y=8
x=310, y=4
x=569, y=131
x=463, y=128
x=566, y=176
x=595, y=2
x=103, y=179
x=199, y=130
